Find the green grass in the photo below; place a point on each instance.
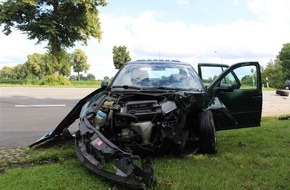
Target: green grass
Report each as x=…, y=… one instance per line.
x=253, y=158
x=268, y=89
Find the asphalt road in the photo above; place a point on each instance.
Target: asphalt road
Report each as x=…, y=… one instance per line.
x=28, y=113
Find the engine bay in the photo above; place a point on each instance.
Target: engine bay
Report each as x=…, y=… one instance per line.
x=135, y=121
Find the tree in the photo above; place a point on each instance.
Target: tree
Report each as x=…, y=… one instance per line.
x=90, y=77
x=6, y=73
x=107, y=78
x=284, y=58
x=40, y=65
x=247, y=80
x=274, y=73
x=59, y=23
x=79, y=62
x=61, y=63
x=36, y=65
x=120, y=56
x=21, y=71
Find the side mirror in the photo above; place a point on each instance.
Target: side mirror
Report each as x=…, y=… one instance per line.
x=104, y=83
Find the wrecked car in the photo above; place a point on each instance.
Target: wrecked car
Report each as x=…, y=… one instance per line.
x=157, y=105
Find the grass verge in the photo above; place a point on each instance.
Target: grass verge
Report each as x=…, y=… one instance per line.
x=36, y=83
x=253, y=158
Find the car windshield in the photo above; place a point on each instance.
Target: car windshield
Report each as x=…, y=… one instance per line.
x=158, y=76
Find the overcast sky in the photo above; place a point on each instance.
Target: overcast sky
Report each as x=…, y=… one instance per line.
x=227, y=31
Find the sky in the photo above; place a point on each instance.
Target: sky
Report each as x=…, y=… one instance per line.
x=194, y=31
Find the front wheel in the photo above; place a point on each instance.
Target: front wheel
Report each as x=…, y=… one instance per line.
x=207, y=135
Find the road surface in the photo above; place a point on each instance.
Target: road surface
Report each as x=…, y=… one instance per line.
x=28, y=113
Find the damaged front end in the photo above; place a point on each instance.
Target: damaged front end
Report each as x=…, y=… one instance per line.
x=117, y=130
x=96, y=152
x=105, y=159
x=114, y=127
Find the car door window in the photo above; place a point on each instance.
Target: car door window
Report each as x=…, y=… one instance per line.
x=241, y=78
x=247, y=76
x=229, y=80
x=209, y=74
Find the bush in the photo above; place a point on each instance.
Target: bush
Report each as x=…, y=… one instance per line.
x=52, y=80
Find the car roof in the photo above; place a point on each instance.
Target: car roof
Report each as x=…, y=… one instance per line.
x=153, y=61
x=213, y=64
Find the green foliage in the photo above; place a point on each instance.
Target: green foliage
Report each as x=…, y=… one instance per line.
x=90, y=77
x=18, y=72
x=274, y=73
x=6, y=72
x=60, y=23
x=82, y=77
x=120, y=56
x=107, y=78
x=21, y=71
x=60, y=63
x=79, y=61
x=284, y=58
x=36, y=82
x=19, y=81
x=37, y=65
x=53, y=80
x=247, y=80
x=278, y=71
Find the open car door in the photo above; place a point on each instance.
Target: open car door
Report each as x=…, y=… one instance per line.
x=238, y=90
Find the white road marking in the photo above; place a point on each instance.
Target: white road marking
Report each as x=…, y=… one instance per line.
x=40, y=105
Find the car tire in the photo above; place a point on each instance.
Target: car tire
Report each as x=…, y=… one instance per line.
x=207, y=135
x=282, y=92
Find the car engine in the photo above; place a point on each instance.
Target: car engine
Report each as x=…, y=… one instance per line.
x=145, y=122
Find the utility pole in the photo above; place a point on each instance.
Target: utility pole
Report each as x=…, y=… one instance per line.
x=219, y=56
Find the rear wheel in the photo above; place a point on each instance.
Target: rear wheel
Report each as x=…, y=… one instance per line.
x=207, y=135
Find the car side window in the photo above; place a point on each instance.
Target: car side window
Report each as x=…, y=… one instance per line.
x=241, y=78
x=209, y=74
x=229, y=80
x=247, y=76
